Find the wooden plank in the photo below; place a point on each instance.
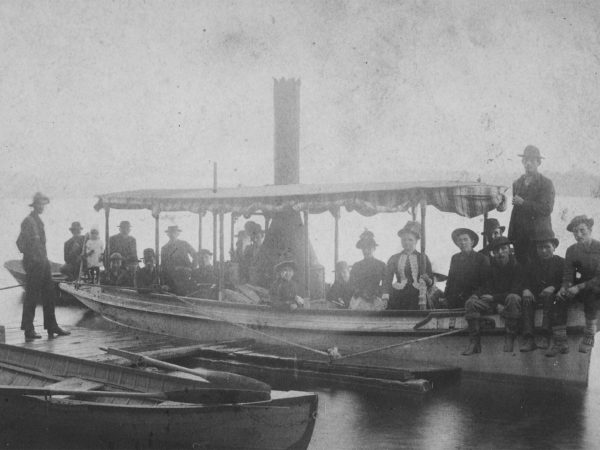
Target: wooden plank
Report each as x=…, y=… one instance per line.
x=75, y=383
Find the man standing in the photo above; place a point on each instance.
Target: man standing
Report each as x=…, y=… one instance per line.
x=533, y=201
x=177, y=259
x=39, y=287
x=126, y=246
x=72, y=252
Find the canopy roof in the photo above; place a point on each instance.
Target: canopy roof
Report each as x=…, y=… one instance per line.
x=468, y=199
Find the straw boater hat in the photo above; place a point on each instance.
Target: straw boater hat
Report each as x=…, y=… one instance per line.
x=578, y=220
x=39, y=199
x=172, y=228
x=499, y=242
x=285, y=263
x=531, y=152
x=124, y=224
x=76, y=226
x=367, y=239
x=411, y=227
x=471, y=234
x=546, y=236
x=489, y=225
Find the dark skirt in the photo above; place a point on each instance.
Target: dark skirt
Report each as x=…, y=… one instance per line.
x=407, y=298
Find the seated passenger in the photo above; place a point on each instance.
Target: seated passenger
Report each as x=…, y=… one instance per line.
x=409, y=291
x=491, y=230
x=72, y=252
x=340, y=291
x=177, y=259
x=581, y=277
x=468, y=270
x=146, y=278
x=205, y=273
x=284, y=292
x=505, y=284
x=366, y=276
x=116, y=275
x=543, y=278
x=243, y=241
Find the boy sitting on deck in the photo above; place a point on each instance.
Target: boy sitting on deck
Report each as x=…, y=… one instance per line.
x=284, y=292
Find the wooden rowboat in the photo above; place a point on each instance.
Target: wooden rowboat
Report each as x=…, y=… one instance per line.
x=101, y=405
x=15, y=267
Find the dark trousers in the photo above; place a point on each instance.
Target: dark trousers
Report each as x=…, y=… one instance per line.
x=525, y=251
x=39, y=289
x=554, y=312
x=591, y=303
x=475, y=307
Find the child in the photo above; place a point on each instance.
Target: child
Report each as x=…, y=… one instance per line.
x=94, y=248
x=284, y=291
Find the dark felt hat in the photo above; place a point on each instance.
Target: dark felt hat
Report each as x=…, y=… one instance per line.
x=578, y=220
x=498, y=242
x=531, y=152
x=76, y=226
x=546, y=236
x=489, y=225
x=471, y=234
x=411, y=227
x=172, y=228
x=367, y=239
x=39, y=199
x=116, y=255
x=286, y=263
x=124, y=224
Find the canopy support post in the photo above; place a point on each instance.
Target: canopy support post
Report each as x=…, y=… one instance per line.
x=107, y=236
x=485, y=242
x=336, y=237
x=413, y=211
x=214, y=239
x=423, y=207
x=306, y=256
x=199, y=231
x=221, y=251
x=157, y=240
x=232, y=235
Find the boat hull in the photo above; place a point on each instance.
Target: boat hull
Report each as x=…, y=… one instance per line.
x=350, y=332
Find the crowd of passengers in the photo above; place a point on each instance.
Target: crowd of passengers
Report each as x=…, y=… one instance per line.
x=513, y=275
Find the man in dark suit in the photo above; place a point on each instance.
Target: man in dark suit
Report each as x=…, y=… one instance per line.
x=533, y=201
x=72, y=252
x=126, y=245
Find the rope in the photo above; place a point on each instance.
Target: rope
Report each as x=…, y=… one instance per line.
x=400, y=344
x=11, y=287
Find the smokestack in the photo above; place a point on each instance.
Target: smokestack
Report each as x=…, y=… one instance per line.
x=286, y=105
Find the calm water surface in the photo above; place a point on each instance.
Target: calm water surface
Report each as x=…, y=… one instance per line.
x=468, y=415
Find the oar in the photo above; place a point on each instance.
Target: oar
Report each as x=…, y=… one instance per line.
x=205, y=396
x=11, y=287
x=231, y=380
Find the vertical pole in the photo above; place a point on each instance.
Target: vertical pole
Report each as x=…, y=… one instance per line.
x=232, y=236
x=215, y=177
x=106, y=236
x=413, y=211
x=306, y=255
x=221, y=251
x=336, y=237
x=199, y=231
x=157, y=239
x=267, y=223
x=423, y=232
x=215, y=239
x=485, y=242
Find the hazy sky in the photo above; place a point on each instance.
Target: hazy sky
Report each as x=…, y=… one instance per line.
x=99, y=96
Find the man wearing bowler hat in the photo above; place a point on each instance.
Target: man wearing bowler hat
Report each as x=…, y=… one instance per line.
x=72, y=252
x=39, y=287
x=177, y=259
x=491, y=230
x=125, y=245
x=533, y=202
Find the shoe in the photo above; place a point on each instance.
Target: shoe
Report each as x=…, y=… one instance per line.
x=30, y=335
x=509, y=342
x=529, y=345
x=474, y=347
x=586, y=344
x=559, y=348
x=57, y=331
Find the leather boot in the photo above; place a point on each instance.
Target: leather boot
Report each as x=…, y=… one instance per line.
x=474, y=338
x=511, y=334
x=560, y=346
x=586, y=344
x=30, y=335
x=529, y=344
x=56, y=330
x=543, y=341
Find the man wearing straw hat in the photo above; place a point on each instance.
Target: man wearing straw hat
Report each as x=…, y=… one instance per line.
x=39, y=287
x=72, y=252
x=533, y=202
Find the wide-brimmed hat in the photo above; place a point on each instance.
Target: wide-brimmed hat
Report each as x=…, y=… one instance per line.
x=366, y=239
x=546, y=236
x=124, y=224
x=411, y=227
x=498, y=242
x=340, y=266
x=172, y=228
x=76, y=226
x=116, y=256
x=439, y=276
x=149, y=253
x=286, y=263
x=489, y=225
x=471, y=234
x=39, y=199
x=531, y=152
x=578, y=220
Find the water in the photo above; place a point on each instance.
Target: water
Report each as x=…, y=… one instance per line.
x=469, y=415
